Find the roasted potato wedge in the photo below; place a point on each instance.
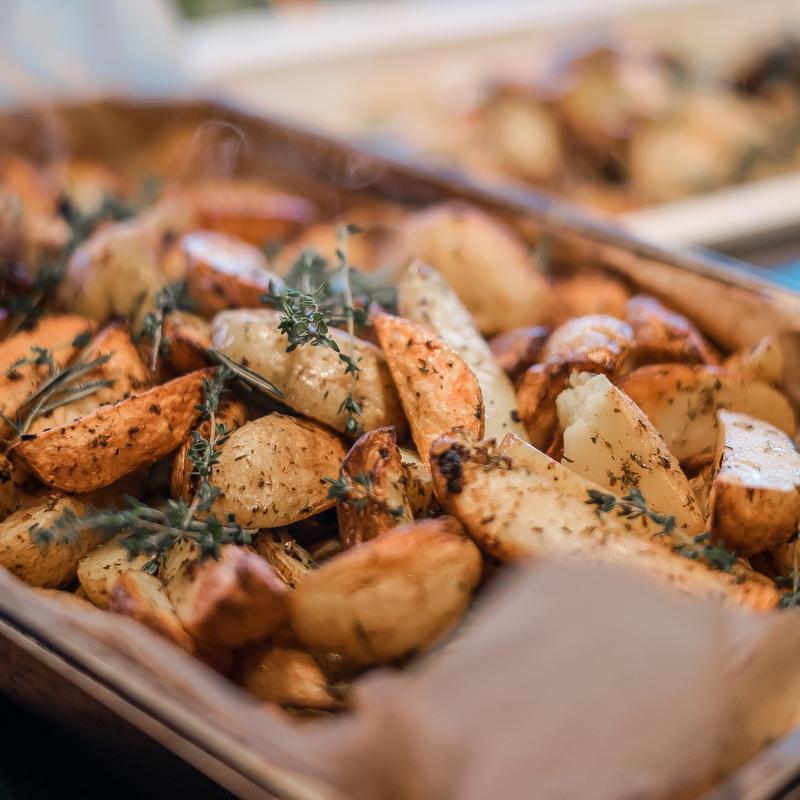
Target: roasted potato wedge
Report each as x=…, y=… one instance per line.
x=596, y=343
x=608, y=440
x=312, y=379
x=125, y=369
x=419, y=484
x=51, y=564
x=282, y=556
x=536, y=401
x=755, y=494
x=99, y=570
x=682, y=400
x=98, y=449
x=513, y=513
x=589, y=293
x=484, y=261
x=271, y=471
x=389, y=597
x=226, y=602
x=186, y=339
x=765, y=362
x=517, y=350
x=438, y=390
x=663, y=335
x=223, y=272
x=374, y=470
x=287, y=676
x=425, y=298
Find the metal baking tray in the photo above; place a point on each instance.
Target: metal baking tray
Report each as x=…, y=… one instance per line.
x=118, y=677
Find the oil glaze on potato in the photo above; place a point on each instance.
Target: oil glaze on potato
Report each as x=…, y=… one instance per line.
x=271, y=471
x=682, y=400
x=389, y=597
x=596, y=343
x=518, y=349
x=50, y=565
x=755, y=494
x=513, y=513
x=113, y=441
x=186, y=338
x=438, y=390
x=312, y=379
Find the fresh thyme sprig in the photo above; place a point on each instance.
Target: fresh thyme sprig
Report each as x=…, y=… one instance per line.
x=171, y=297
x=358, y=493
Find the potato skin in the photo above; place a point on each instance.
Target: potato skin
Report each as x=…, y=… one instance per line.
x=593, y=292
x=271, y=471
x=101, y=447
x=765, y=362
x=536, y=401
x=755, y=495
x=186, y=337
x=595, y=343
x=312, y=379
x=438, y=390
x=99, y=570
x=49, y=565
x=375, y=455
x=389, y=597
x=227, y=602
x=518, y=349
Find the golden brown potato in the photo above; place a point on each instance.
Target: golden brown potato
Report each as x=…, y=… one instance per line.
x=271, y=471
x=226, y=602
x=755, y=494
x=588, y=293
x=64, y=598
x=597, y=343
x=87, y=184
x=125, y=369
x=765, y=362
x=253, y=213
x=112, y=441
x=19, y=380
x=517, y=350
x=223, y=272
x=608, y=440
x=99, y=570
x=287, y=676
x=186, y=339
x=663, y=335
x=489, y=268
x=232, y=413
x=389, y=597
x=283, y=557
x=438, y=390
x=17, y=489
x=425, y=298
x=374, y=469
x=141, y=596
x=419, y=484
x=514, y=513
x=536, y=401
x=312, y=379
x=682, y=400
x=50, y=564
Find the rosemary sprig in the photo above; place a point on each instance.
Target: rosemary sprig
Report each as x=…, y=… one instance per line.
x=244, y=374
x=358, y=493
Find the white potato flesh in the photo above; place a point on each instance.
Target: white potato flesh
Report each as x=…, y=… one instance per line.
x=755, y=495
x=764, y=362
x=608, y=440
x=99, y=570
x=424, y=297
x=312, y=379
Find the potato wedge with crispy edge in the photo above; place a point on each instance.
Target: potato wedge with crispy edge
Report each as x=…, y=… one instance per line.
x=681, y=400
x=608, y=440
x=419, y=484
x=755, y=493
x=99, y=570
x=597, y=343
x=50, y=564
x=312, y=379
x=232, y=413
x=125, y=369
x=765, y=362
x=484, y=261
x=112, y=441
x=384, y=504
x=424, y=297
x=290, y=569
x=186, y=338
x=593, y=292
x=662, y=335
x=223, y=272
x=438, y=390
x=226, y=602
x=271, y=471
x=56, y=334
x=518, y=349
x=287, y=676
x=536, y=401
x=389, y=597
x=512, y=513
